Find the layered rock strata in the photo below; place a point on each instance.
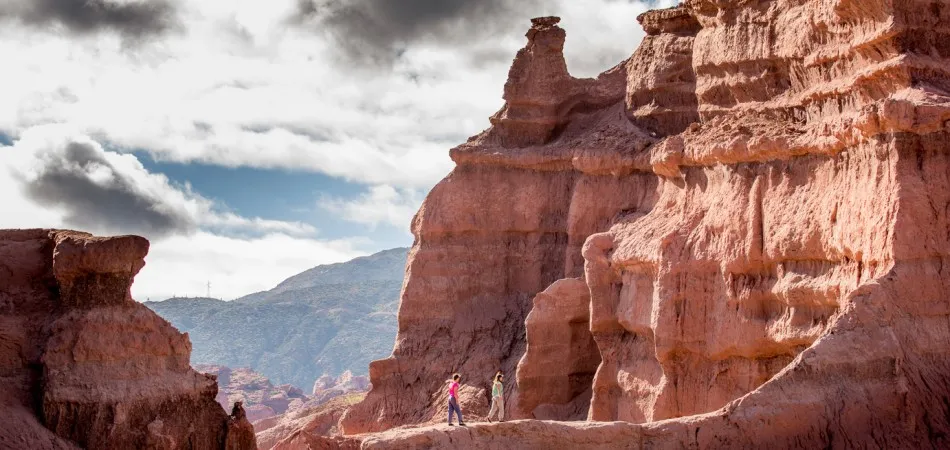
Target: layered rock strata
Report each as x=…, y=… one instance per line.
x=507, y=222
x=759, y=200
x=82, y=364
x=661, y=83
x=776, y=214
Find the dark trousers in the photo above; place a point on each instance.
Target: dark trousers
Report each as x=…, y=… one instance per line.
x=454, y=407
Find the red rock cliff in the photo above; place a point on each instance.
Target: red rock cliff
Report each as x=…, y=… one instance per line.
x=82, y=364
x=757, y=203
x=507, y=222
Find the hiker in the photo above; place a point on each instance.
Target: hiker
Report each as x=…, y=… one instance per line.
x=453, y=400
x=497, y=398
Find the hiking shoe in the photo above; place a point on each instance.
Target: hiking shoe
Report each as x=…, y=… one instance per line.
x=462, y=424
x=451, y=424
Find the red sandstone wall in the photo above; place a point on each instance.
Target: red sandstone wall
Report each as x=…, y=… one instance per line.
x=764, y=257
x=82, y=364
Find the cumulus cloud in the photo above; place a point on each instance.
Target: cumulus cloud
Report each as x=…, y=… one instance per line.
x=108, y=192
x=97, y=194
x=241, y=88
x=135, y=18
x=377, y=31
x=54, y=178
x=380, y=205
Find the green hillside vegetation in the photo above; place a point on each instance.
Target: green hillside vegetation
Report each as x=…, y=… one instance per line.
x=325, y=320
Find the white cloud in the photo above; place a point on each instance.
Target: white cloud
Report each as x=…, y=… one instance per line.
x=380, y=205
x=239, y=87
x=182, y=265
x=77, y=183
x=238, y=255
x=600, y=36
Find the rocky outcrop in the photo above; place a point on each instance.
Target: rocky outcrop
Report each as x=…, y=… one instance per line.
x=505, y=224
x=758, y=200
x=703, y=300
x=240, y=430
x=661, y=84
x=328, y=387
x=284, y=413
x=540, y=93
x=304, y=428
x=85, y=365
x=556, y=373
x=323, y=383
x=261, y=399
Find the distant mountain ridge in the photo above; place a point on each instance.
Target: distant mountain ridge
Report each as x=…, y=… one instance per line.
x=325, y=320
x=387, y=265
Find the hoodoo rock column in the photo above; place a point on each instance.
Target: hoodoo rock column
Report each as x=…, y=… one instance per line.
x=506, y=223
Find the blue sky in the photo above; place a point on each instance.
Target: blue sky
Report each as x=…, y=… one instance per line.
x=249, y=140
x=284, y=195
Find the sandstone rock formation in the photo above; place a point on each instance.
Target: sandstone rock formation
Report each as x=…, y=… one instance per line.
x=328, y=387
x=323, y=383
x=306, y=427
x=283, y=413
x=83, y=365
x=505, y=224
x=661, y=83
x=757, y=201
x=260, y=398
x=557, y=371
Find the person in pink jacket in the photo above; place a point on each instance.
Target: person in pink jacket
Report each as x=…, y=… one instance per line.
x=453, y=399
